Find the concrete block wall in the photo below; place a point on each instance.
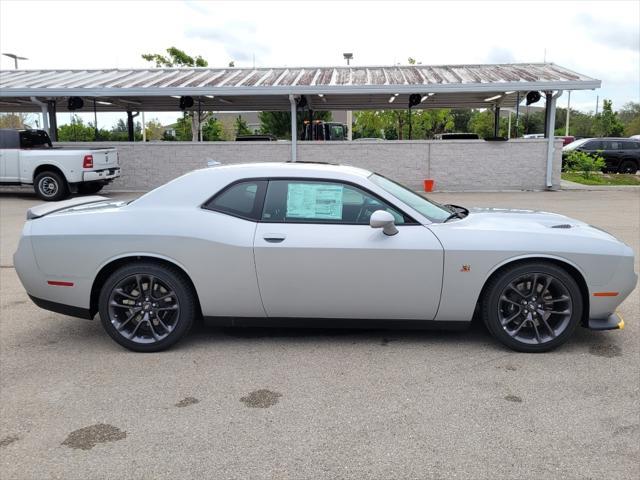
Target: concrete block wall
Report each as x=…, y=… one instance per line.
x=455, y=165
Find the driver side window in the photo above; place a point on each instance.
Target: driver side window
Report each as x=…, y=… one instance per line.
x=309, y=201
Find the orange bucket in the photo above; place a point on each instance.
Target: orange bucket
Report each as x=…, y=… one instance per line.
x=428, y=185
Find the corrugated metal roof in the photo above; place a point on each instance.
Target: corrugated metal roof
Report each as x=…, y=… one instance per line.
x=356, y=82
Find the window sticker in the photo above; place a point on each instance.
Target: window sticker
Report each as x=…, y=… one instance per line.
x=320, y=201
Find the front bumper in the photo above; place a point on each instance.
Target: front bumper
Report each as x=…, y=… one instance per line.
x=97, y=175
x=612, y=322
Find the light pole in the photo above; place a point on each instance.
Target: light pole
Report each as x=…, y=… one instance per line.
x=15, y=58
x=348, y=57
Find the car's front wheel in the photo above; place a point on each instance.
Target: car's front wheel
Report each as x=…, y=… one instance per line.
x=532, y=307
x=147, y=307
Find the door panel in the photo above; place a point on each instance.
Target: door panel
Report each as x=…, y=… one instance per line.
x=348, y=271
x=10, y=165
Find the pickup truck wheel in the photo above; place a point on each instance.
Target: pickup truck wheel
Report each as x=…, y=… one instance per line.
x=50, y=186
x=628, y=166
x=89, y=188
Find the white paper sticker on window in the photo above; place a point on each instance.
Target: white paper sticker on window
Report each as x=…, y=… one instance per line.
x=314, y=201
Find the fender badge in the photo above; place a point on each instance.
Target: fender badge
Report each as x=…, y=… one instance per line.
x=465, y=268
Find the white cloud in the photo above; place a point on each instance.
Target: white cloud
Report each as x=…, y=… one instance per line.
x=593, y=38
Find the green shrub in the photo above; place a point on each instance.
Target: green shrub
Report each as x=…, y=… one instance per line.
x=584, y=163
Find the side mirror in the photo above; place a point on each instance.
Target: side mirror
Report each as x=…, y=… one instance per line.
x=384, y=220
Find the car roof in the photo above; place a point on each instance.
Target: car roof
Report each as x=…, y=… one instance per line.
x=303, y=168
x=197, y=186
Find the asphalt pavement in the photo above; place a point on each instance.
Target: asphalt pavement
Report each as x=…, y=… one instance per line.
x=315, y=404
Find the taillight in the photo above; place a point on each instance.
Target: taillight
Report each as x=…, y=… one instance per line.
x=88, y=161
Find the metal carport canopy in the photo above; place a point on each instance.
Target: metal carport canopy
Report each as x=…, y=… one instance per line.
x=325, y=88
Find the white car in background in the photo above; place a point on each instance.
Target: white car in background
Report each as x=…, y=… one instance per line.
x=27, y=157
x=316, y=244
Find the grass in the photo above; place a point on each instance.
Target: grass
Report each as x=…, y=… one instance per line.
x=603, y=178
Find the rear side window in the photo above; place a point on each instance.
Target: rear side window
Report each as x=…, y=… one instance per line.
x=34, y=139
x=594, y=145
x=242, y=200
x=630, y=145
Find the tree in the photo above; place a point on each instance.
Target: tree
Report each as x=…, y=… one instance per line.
x=76, y=131
x=16, y=120
x=629, y=115
x=607, y=123
x=241, y=127
x=461, y=118
x=175, y=58
x=178, y=58
x=153, y=129
x=212, y=130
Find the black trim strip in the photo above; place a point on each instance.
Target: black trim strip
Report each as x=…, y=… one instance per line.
x=62, y=308
x=295, y=322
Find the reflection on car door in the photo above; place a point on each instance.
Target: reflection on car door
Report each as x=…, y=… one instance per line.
x=317, y=256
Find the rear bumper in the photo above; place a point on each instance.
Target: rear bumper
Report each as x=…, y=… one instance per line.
x=61, y=308
x=97, y=175
x=612, y=322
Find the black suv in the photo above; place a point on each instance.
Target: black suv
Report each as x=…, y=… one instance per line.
x=621, y=155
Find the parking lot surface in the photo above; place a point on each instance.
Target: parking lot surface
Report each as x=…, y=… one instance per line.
x=309, y=404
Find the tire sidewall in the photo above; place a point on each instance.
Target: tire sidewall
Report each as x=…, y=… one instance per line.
x=175, y=280
x=634, y=166
x=490, y=305
x=61, y=192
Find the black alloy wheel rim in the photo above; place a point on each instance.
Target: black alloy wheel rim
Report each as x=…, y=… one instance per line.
x=535, y=308
x=143, y=308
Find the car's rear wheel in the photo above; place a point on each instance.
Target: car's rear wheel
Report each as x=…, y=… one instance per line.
x=90, y=188
x=532, y=307
x=147, y=307
x=628, y=166
x=50, y=186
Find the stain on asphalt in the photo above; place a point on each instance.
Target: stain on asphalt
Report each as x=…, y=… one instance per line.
x=8, y=440
x=607, y=350
x=261, y=399
x=385, y=342
x=513, y=398
x=88, y=437
x=627, y=429
x=511, y=368
x=186, y=401
x=16, y=302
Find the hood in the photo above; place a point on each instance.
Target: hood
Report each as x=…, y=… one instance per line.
x=532, y=221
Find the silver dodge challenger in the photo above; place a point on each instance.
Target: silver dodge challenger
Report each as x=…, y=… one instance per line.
x=318, y=245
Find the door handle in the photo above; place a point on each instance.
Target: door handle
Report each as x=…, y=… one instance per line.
x=274, y=237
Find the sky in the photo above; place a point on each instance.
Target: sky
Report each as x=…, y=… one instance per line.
x=600, y=39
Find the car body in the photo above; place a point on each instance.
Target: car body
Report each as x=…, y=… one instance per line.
x=621, y=155
x=292, y=243
x=28, y=158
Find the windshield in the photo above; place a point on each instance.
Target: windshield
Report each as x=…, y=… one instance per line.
x=432, y=210
x=575, y=144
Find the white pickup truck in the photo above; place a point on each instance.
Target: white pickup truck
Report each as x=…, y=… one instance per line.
x=28, y=157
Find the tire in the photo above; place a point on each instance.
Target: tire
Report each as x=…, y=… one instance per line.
x=135, y=322
x=628, y=166
x=89, y=188
x=50, y=186
x=532, y=329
